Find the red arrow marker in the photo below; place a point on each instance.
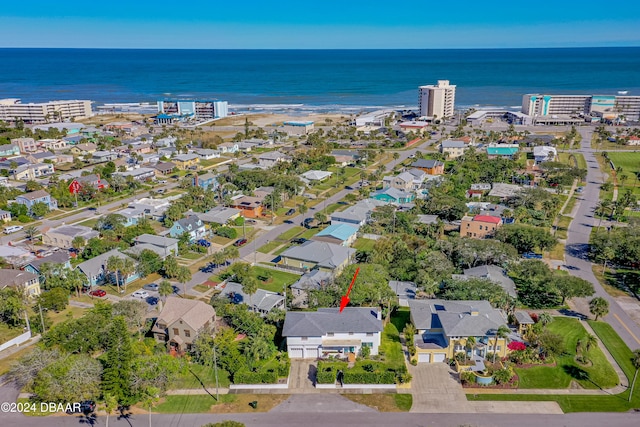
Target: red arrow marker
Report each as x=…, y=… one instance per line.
x=345, y=299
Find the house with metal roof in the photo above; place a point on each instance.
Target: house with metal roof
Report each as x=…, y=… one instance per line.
x=261, y=302
x=338, y=234
x=432, y=167
x=314, y=254
x=443, y=328
x=544, y=153
x=453, y=149
x=507, y=151
x=358, y=214
x=393, y=196
x=162, y=245
x=494, y=273
x=219, y=215
x=97, y=273
x=316, y=175
x=329, y=332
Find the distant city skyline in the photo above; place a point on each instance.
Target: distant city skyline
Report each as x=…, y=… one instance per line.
x=330, y=24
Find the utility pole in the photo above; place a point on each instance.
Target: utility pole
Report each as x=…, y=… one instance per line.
x=41, y=318
x=215, y=370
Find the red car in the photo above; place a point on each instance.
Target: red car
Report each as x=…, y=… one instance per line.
x=98, y=293
x=240, y=242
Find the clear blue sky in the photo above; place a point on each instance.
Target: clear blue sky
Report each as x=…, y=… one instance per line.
x=216, y=24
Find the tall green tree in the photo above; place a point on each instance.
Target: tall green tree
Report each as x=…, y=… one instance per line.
x=117, y=362
x=572, y=287
x=599, y=307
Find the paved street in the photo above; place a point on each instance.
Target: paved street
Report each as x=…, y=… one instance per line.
x=577, y=247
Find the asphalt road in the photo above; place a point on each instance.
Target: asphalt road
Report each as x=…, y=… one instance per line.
x=577, y=247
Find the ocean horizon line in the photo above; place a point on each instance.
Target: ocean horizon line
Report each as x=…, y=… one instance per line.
x=326, y=49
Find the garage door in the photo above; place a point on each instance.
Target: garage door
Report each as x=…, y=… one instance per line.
x=295, y=353
x=439, y=357
x=424, y=358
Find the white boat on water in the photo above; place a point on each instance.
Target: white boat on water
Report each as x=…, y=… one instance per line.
x=623, y=92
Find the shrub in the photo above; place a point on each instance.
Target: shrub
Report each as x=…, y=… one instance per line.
x=414, y=362
x=326, y=377
x=228, y=232
x=283, y=367
x=260, y=377
x=467, y=377
x=365, y=351
x=351, y=377
x=502, y=376
x=516, y=346
x=239, y=221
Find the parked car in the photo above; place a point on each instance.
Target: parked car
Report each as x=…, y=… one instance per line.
x=98, y=293
x=342, y=202
x=240, y=242
x=85, y=407
x=152, y=300
x=12, y=229
x=299, y=240
x=531, y=255
x=579, y=189
x=162, y=181
x=290, y=212
x=175, y=176
x=204, y=242
x=251, y=221
x=288, y=221
x=151, y=287
x=175, y=289
x=140, y=294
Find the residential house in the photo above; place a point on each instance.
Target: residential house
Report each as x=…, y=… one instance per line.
x=493, y=273
x=138, y=174
x=85, y=149
x=33, y=171
x=523, y=321
x=251, y=207
x=219, y=215
x=64, y=158
x=338, y=234
x=405, y=291
x=21, y=280
x=329, y=332
x=131, y=216
x=63, y=235
x=103, y=156
x=93, y=180
x=41, y=157
x=507, y=151
x=186, y=161
x=316, y=175
x=272, y=158
x=167, y=152
x=504, y=191
x=419, y=178
x=479, y=226
x=163, y=246
x=26, y=145
x=97, y=273
x=261, y=302
x=165, y=168
x=358, y=214
x=53, y=144
x=8, y=150
x=245, y=147
x=229, y=147
x=15, y=256
x=207, y=181
x=393, y=196
x=58, y=258
x=168, y=141
x=193, y=226
x=143, y=148
x=414, y=126
x=152, y=208
x=478, y=190
x=298, y=127
x=633, y=140
x=443, y=328
x=315, y=254
x=5, y=216
x=453, y=149
x=29, y=199
x=432, y=167
x=207, y=154
x=180, y=322
x=13, y=163
x=150, y=159
x=403, y=181
x=310, y=281
x=346, y=157
x=544, y=153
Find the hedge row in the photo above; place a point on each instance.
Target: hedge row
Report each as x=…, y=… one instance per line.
x=283, y=368
x=351, y=377
x=260, y=377
x=326, y=377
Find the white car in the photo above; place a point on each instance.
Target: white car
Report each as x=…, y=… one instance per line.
x=12, y=229
x=140, y=294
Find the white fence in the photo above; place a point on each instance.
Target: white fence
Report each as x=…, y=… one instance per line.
x=260, y=386
x=16, y=341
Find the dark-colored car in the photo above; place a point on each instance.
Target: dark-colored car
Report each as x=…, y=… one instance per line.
x=290, y=212
x=288, y=221
x=531, y=255
x=85, y=407
x=204, y=242
x=151, y=287
x=98, y=293
x=152, y=300
x=175, y=176
x=240, y=242
x=299, y=240
x=175, y=289
x=343, y=202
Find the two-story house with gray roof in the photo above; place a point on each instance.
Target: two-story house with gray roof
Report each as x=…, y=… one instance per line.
x=443, y=328
x=315, y=254
x=327, y=332
x=261, y=302
x=191, y=225
x=29, y=199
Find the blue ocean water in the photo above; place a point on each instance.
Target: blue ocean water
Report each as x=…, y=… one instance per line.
x=314, y=79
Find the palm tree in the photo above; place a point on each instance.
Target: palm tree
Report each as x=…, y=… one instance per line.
x=127, y=268
x=635, y=360
x=502, y=333
x=249, y=287
x=602, y=208
x=30, y=231
x=545, y=318
x=231, y=252
x=165, y=289
x=469, y=345
x=114, y=264
x=76, y=280
x=599, y=307
x=623, y=177
x=183, y=276
x=590, y=341
x=78, y=242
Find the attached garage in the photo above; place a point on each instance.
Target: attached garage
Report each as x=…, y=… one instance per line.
x=424, y=357
x=439, y=357
x=295, y=353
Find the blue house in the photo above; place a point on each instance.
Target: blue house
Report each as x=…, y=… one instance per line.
x=191, y=225
x=29, y=199
x=131, y=216
x=339, y=234
x=96, y=269
x=393, y=195
x=59, y=257
x=8, y=150
x=208, y=181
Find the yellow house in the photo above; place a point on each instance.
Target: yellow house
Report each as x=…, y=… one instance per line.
x=445, y=327
x=186, y=161
x=22, y=280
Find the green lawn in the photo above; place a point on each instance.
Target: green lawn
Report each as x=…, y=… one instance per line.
x=89, y=223
x=577, y=403
x=291, y=233
x=197, y=374
x=277, y=279
x=630, y=163
x=391, y=348
x=7, y=333
x=563, y=227
x=265, y=249
x=363, y=244
x=178, y=404
x=401, y=317
x=599, y=375
x=282, y=249
x=192, y=255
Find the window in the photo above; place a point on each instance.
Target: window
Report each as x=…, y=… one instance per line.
x=176, y=332
x=304, y=338
x=329, y=334
x=369, y=334
x=350, y=333
x=187, y=333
